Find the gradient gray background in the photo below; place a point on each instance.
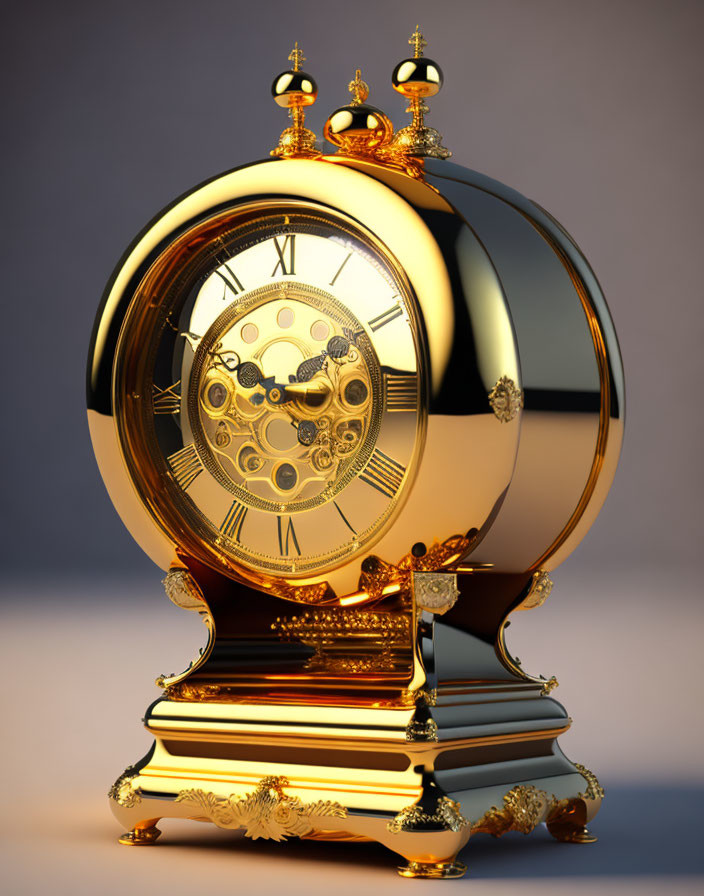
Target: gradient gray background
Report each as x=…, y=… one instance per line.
x=113, y=109
x=592, y=108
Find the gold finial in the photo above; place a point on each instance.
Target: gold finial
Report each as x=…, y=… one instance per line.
x=358, y=129
x=296, y=57
x=359, y=89
x=417, y=41
x=294, y=90
x=417, y=79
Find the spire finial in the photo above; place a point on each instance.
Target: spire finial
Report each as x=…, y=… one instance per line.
x=417, y=41
x=358, y=88
x=296, y=57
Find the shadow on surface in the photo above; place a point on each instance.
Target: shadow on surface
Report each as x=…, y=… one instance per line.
x=642, y=831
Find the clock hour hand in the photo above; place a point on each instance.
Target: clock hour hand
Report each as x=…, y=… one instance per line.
x=312, y=393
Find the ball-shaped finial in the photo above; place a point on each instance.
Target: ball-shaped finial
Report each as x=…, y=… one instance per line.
x=294, y=87
x=417, y=77
x=357, y=128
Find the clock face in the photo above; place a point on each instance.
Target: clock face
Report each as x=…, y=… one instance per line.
x=281, y=405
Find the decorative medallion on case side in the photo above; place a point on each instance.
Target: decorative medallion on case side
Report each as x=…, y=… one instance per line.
x=506, y=399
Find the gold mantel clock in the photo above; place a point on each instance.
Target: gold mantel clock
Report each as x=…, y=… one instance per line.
x=357, y=405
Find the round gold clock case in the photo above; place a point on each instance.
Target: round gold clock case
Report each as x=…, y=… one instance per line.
x=460, y=464
x=572, y=375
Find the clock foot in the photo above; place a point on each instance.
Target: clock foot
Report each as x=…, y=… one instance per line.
x=567, y=833
x=141, y=836
x=433, y=870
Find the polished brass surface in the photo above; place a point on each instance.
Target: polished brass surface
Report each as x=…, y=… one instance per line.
x=572, y=376
x=357, y=406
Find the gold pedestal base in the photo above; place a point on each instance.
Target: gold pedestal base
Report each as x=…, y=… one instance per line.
x=390, y=775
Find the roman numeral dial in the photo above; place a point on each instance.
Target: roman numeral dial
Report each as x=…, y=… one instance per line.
x=290, y=380
x=383, y=473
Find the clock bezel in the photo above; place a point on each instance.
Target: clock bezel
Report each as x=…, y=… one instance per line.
x=169, y=278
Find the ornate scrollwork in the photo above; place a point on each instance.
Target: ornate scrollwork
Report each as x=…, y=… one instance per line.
x=594, y=789
x=183, y=590
x=540, y=587
x=506, y=399
x=268, y=813
x=199, y=693
x=303, y=594
x=447, y=816
x=419, y=731
x=338, y=636
x=550, y=683
x=123, y=791
x=420, y=696
x=523, y=807
x=378, y=575
x=566, y=817
x=436, y=592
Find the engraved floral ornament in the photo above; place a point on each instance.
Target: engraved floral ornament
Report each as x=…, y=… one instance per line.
x=447, y=815
x=268, y=813
x=123, y=791
x=506, y=399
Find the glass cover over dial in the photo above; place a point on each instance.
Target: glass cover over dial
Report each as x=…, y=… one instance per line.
x=285, y=419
